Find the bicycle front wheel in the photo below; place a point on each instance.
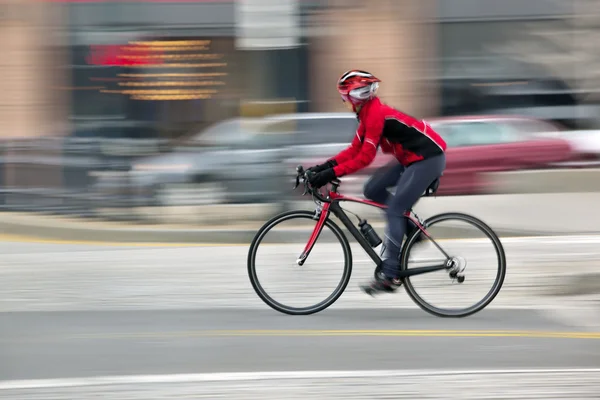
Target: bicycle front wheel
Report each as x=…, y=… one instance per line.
x=300, y=289
x=475, y=265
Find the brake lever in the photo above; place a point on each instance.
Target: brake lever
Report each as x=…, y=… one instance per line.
x=299, y=172
x=305, y=183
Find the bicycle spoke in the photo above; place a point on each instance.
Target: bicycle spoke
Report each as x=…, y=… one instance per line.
x=449, y=291
x=298, y=288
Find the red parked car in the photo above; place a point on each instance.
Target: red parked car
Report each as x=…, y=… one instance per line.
x=476, y=145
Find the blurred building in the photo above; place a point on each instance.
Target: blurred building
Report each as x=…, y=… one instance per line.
x=395, y=40
x=33, y=101
x=166, y=68
x=480, y=73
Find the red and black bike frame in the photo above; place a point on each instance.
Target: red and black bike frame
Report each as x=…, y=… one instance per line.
x=331, y=204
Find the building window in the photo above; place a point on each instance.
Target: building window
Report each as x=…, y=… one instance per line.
x=483, y=70
x=162, y=86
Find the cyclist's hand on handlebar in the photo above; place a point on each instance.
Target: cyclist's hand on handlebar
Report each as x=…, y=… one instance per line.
x=315, y=169
x=321, y=167
x=321, y=178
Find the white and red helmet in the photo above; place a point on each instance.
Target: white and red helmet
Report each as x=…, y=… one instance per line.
x=357, y=86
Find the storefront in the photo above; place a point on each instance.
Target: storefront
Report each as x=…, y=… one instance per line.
x=146, y=70
x=156, y=69
x=152, y=85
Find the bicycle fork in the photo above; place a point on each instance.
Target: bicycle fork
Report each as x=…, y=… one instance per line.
x=321, y=215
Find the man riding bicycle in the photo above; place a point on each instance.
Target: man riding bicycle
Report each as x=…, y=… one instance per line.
x=419, y=159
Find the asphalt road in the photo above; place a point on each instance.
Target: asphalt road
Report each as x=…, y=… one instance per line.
x=75, y=344
x=155, y=320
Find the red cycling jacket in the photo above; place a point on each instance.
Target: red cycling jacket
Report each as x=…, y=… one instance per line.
x=409, y=139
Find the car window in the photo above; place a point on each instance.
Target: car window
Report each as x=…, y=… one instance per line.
x=475, y=133
x=227, y=133
x=326, y=130
x=311, y=131
x=531, y=126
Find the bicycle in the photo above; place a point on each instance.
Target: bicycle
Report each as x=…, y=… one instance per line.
x=329, y=203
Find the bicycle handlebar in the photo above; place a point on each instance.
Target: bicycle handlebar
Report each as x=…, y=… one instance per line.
x=301, y=173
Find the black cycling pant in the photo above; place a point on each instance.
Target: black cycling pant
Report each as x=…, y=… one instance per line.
x=410, y=182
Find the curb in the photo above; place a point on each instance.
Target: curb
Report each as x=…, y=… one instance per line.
x=189, y=235
x=129, y=234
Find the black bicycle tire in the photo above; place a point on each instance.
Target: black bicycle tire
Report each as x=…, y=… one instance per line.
x=304, y=310
x=488, y=298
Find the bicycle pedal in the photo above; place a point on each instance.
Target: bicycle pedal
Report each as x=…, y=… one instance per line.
x=368, y=290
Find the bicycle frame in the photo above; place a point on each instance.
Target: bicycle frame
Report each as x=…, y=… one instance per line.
x=331, y=204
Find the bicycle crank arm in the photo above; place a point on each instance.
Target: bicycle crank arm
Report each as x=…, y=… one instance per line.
x=421, y=270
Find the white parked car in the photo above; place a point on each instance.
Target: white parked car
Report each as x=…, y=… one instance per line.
x=585, y=145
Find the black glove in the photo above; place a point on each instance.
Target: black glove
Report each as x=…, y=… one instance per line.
x=322, y=167
x=322, y=178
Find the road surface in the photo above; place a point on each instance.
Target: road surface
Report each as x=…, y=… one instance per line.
x=158, y=322
x=80, y=344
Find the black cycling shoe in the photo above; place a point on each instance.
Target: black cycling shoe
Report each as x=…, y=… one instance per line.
x=381, y=284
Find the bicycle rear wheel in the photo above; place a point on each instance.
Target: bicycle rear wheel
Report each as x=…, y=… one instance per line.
x=488, y=260
x=274, y=241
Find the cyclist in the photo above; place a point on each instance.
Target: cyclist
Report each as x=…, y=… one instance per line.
x=419, y=159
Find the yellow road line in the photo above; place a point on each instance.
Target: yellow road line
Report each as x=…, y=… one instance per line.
x=33, y=239
x=350, y=332
x=41, y=240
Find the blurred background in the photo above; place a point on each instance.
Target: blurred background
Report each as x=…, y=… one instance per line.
x=175, y=123
x=112, y=108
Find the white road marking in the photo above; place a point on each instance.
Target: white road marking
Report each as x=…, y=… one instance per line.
x=267, y=375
